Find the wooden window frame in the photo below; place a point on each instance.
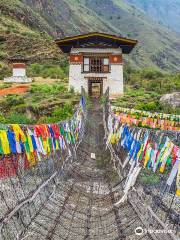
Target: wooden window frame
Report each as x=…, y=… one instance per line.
x=96, y=65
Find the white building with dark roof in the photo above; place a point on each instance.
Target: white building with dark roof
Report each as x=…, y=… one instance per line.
x=96, y=62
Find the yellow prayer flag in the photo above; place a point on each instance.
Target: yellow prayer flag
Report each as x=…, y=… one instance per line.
x=19, y=134
x=4, y=142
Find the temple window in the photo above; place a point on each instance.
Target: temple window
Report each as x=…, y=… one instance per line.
x=96, y=64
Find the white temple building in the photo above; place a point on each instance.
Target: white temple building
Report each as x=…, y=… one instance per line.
x=96, y=62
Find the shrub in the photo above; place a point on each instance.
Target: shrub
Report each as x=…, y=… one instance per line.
x=19, y=118
x=48, y=89
x=2, y=119
x=46, y=119
x=149, y=106
x=151, y=85
x=5, y=85
x=103, y=100
x=63, y=113
x=14, y=100
x=5, y=71
x=51, y=71
x=58, y=114
x=3, y=55
x=21, y=108
x=151, y=73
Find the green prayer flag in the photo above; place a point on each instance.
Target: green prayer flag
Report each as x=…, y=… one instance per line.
x=26, y=145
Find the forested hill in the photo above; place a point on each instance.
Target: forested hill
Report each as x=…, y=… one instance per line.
x=28, y=28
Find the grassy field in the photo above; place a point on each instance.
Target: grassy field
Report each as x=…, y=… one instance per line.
x=47, y=100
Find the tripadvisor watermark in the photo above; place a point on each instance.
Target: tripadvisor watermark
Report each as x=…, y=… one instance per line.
x=140, y=231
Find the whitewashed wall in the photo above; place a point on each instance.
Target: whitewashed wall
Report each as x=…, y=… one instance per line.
x=19, y=72
x=76, y=79
x=113, y=80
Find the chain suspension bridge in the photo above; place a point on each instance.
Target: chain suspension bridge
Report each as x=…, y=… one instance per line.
x=76, y=193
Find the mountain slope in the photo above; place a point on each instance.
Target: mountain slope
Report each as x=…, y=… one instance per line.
x=17, y=39
x=24, y=33
x=69, y=17
x=157, y=45
x=33, y=24
x=166, y=12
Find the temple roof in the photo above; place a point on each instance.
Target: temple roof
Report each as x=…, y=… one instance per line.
x=96, y=39
x=17, y=59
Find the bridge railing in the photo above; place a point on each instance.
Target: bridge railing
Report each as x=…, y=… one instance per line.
x=117, y=159
x=26, y=183
x=159, y=197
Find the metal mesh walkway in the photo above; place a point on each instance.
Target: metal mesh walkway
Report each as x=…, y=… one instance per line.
x=82, y=204
x=70, y=195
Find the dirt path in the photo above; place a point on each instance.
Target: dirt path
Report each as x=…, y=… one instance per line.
x=15, y=90
x=23, y=88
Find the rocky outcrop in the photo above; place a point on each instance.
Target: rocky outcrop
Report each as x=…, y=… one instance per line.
x=172, y=99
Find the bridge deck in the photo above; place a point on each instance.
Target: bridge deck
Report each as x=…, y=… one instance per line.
x=82, y=204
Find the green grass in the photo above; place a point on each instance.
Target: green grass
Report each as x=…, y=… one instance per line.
x=49, y=71
x=44, y=103
x=20, y=118
x=5, y=85
x=144, y=88
x=48, y=89
x=58, y=114
x=14, y=100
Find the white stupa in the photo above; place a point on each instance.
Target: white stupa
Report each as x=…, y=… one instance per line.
x=19, y=74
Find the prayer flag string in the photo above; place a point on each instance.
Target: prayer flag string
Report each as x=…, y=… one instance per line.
x=155, y=152
x=32, y=141
x=147, y=119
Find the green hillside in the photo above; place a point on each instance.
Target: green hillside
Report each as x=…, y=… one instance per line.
x=24, y=33
x=28, y=28
x=158, y=46
x=68, y=17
